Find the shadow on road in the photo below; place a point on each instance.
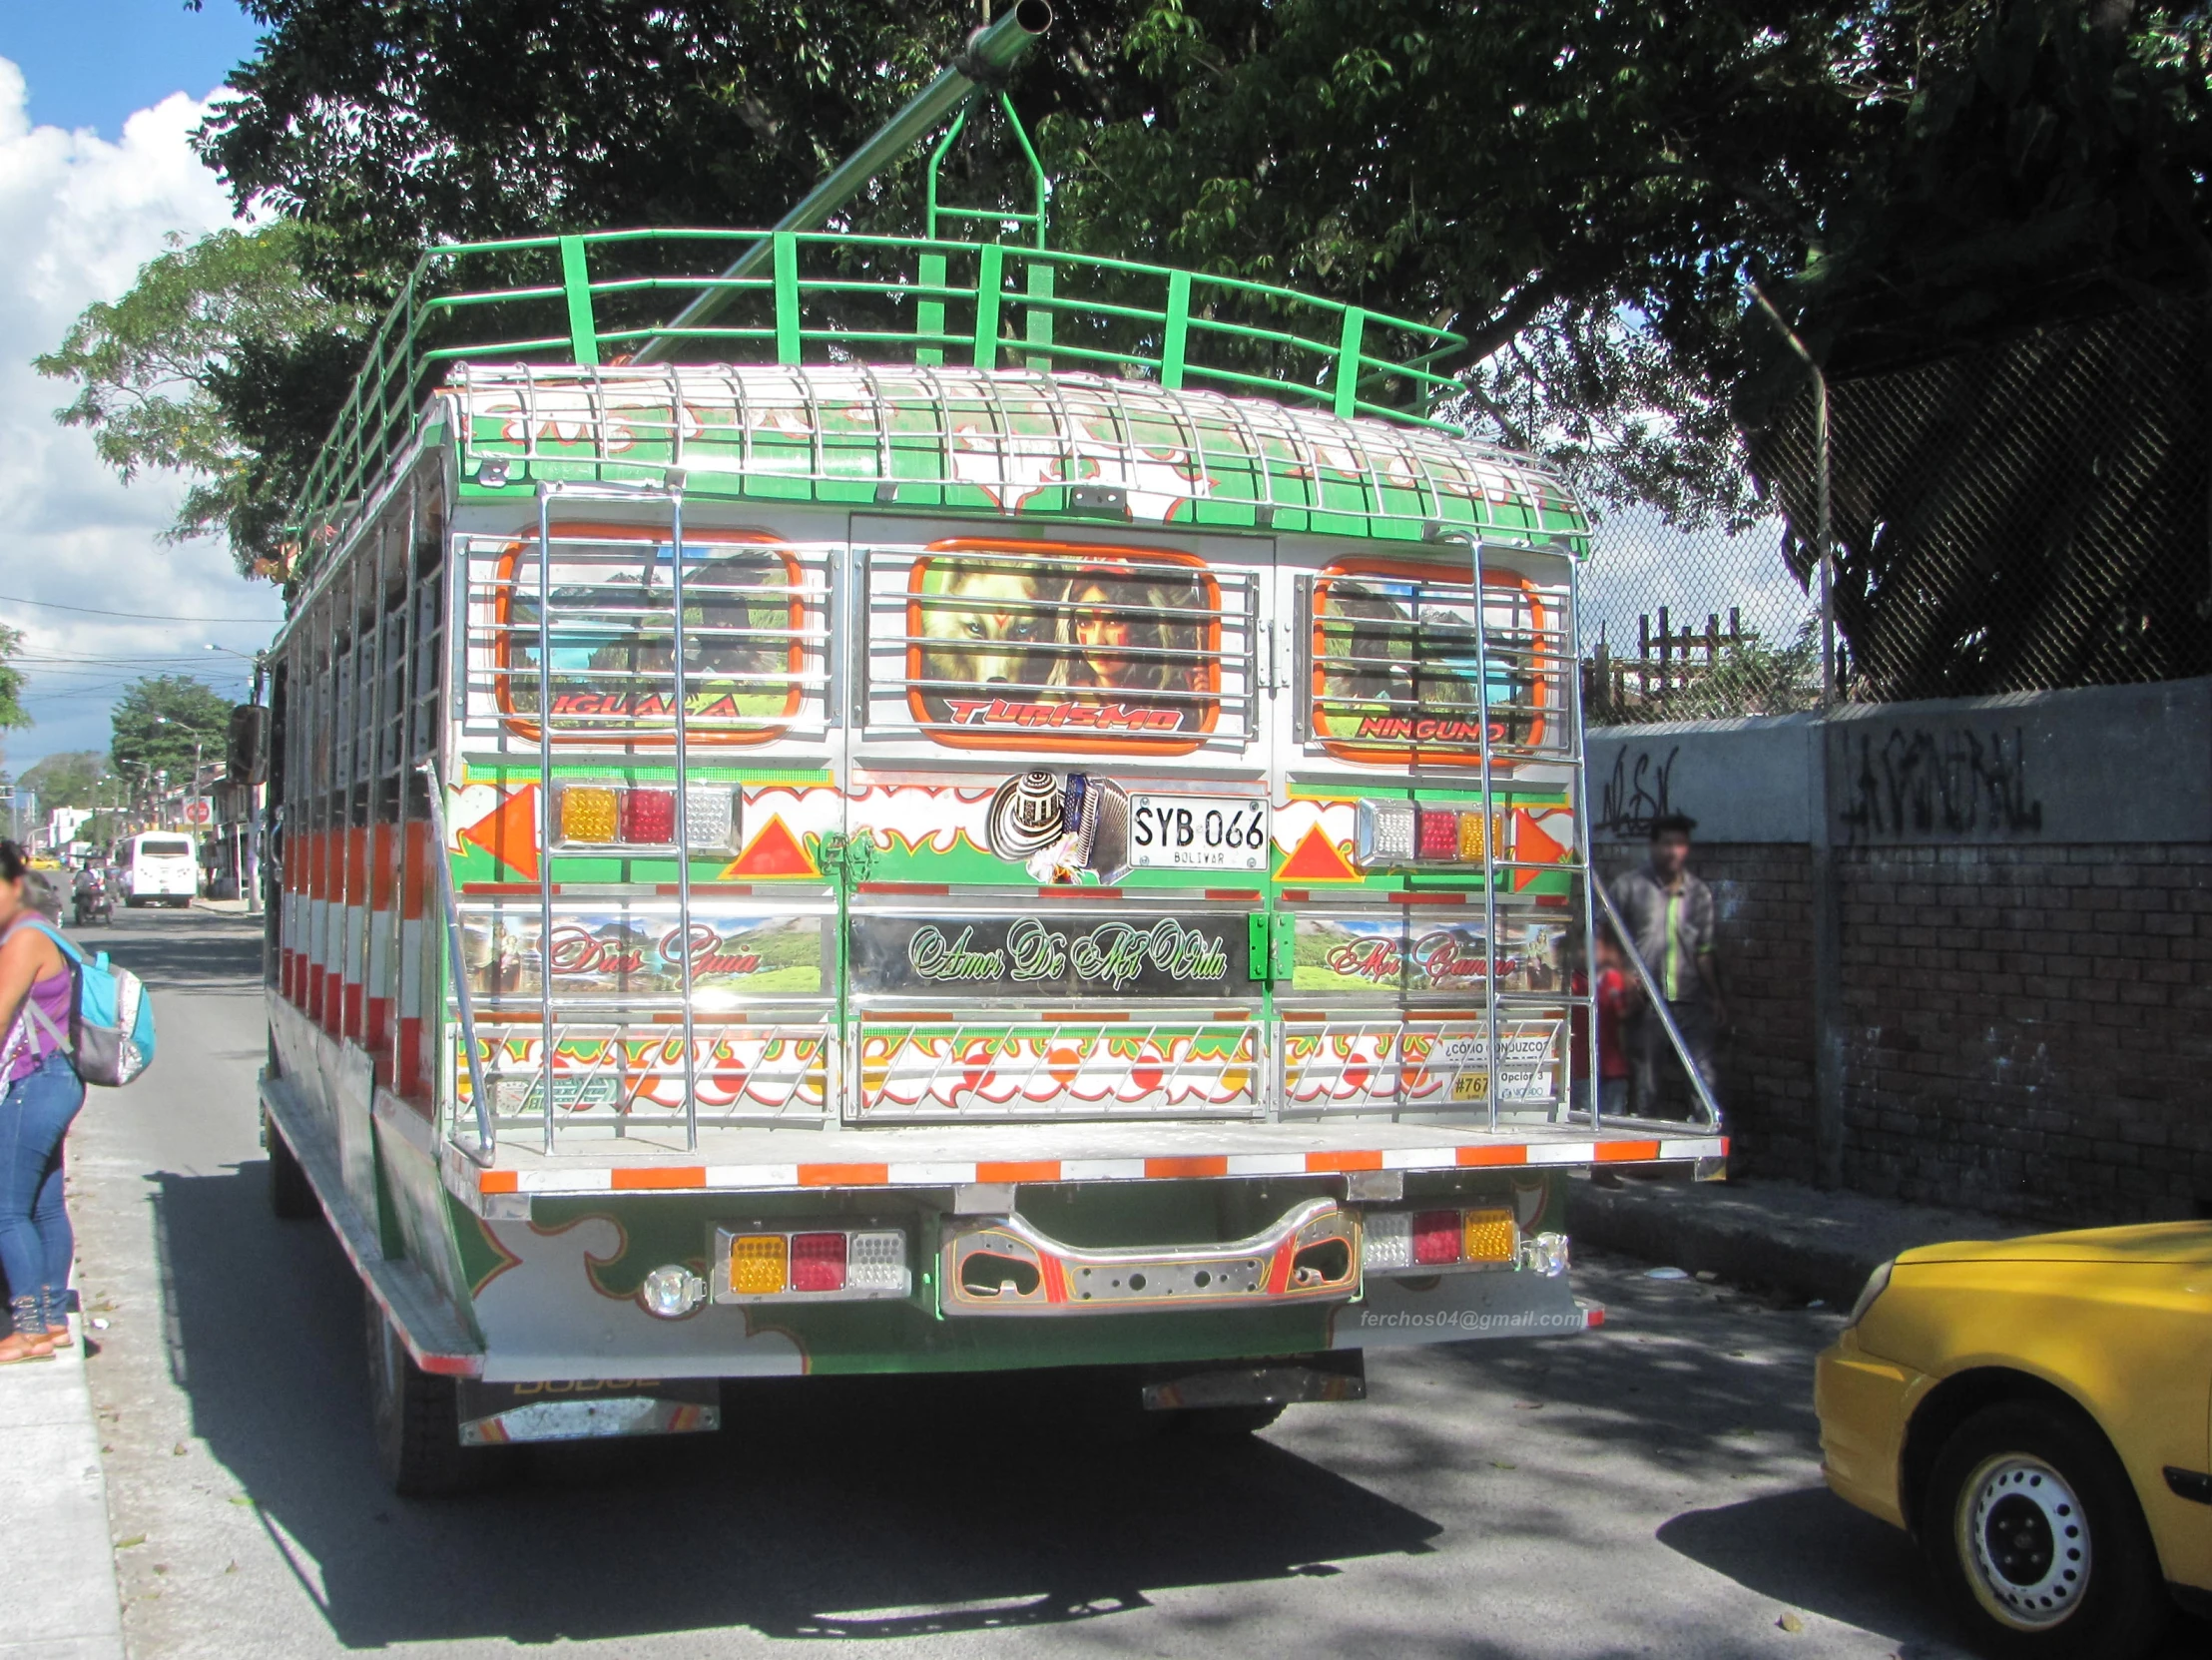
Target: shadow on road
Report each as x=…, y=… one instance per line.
x=825, y=1508
x=1809, y=1550
x=183, y=951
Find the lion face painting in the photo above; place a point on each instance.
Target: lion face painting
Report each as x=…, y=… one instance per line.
x=991, y=625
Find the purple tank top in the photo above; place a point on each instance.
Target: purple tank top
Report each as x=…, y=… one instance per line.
x=51, y=995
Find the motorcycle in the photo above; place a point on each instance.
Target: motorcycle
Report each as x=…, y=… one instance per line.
x=94, y=904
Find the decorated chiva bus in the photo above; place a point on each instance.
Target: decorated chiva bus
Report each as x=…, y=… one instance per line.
x=955, y=806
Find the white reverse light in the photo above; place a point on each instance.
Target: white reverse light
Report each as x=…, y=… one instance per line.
x=1388, y=1237
x=671, y=1291
x=877, y=1260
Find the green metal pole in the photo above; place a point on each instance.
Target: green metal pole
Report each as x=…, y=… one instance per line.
x=992, y=51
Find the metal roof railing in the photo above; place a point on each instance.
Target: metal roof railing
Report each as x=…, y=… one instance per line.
x=835, y=297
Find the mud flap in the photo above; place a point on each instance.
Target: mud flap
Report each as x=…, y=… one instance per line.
x=500, y=1415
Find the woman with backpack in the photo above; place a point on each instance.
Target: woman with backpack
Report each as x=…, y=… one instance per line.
x=40, y=1093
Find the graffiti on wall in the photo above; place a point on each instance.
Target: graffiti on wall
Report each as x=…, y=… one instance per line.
x=1914, y=782
x=1637, y=792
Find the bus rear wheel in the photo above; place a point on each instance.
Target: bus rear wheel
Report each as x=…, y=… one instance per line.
x=290, y=1194
x=416, y=1420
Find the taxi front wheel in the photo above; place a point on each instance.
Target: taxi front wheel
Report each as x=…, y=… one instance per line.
x=2034, y=1531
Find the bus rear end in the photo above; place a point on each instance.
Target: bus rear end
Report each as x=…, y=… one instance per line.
x=159, y=870
x=817, y=868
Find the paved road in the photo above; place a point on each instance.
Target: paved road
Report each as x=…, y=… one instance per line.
x=1650, y=1490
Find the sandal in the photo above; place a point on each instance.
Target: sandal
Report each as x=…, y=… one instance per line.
x=30, y=1341
x=16, y=1348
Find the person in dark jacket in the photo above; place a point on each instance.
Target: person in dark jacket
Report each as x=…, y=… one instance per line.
x=1671, y=918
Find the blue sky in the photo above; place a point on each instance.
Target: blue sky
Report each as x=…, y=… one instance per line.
x=90, y=63
x=98, y=102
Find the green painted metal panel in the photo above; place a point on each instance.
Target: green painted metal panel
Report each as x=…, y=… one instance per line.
x=987, y=283
x=1347, y=363
x=583, y=331
x=787, y=299
x=1176, y=338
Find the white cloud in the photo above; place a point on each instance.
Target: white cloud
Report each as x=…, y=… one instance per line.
x=78, y=215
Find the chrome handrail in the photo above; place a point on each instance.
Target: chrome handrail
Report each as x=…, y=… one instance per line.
x=484, y=1150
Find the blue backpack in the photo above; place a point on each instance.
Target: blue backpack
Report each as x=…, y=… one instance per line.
x=111, y=1035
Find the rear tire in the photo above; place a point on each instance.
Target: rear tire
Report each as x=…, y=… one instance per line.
x=2033, y=1530
x=290, y=1194
x=415, y=1418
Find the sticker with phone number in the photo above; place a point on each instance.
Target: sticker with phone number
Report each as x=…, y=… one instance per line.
x=1198, y=833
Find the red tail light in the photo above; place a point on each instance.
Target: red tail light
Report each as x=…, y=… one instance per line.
x=817, y=1262
x=1437, y=1237
x=649, y=816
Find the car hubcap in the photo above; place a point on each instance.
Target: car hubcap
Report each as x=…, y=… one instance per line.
x=2024, y=1542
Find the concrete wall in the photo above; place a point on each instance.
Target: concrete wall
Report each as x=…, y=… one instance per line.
x=2024, y=895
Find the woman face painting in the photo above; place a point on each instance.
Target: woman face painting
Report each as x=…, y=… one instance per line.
x=1102, y=632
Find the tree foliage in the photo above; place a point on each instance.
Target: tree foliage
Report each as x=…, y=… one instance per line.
x=68, y=778
x=221, y=362
x=159, y=721
x=1575, y=187
x=13, y=716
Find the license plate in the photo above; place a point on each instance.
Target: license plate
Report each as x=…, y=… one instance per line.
x=1198, y=833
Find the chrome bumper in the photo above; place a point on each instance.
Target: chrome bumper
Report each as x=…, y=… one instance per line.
x=1004, y=1266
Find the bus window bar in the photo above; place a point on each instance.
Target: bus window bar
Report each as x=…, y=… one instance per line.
x=620, y=1074
x=1407, y=1065
x=1072, y=1070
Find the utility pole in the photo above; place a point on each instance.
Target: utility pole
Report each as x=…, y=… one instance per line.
x=1828, y=919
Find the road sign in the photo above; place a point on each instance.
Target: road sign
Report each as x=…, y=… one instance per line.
x=199, y=810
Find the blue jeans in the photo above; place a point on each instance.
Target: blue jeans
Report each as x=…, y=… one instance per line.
x=35, y=1241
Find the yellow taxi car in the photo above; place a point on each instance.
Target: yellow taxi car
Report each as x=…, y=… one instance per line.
x=2037, y=1412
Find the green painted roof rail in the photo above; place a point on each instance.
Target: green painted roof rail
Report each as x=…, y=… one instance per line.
x=836, y=297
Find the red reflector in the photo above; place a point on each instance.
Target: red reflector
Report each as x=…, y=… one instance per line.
x=1439, y=834
x=649, y=816
x=817, y=1262
x=1437, y=1237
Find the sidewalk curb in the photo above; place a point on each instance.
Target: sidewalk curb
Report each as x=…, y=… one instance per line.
x=59, y=1560
x=1776, y=1235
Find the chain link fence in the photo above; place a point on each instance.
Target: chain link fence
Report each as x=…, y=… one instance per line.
x=2027, y=516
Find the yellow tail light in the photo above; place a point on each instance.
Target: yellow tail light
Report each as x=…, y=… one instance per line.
x=588, y=812
x=757, y=1264
x=1491, y=1237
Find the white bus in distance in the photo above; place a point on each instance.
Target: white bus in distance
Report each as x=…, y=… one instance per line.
x=158, y=870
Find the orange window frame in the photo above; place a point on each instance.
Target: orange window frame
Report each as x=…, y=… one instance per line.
x=1377, y=752
x=522, y=725
x=1035, y=738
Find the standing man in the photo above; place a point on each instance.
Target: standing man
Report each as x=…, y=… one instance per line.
x=1670, y=916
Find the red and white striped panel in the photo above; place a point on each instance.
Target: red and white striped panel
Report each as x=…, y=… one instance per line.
x=757, y=1178
x=321, y=992
x=355, y=936
x=376, y=1007
x=411, y=1060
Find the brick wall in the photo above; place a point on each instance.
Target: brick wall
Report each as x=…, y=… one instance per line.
x=1763, y=894
x=2030, y=1028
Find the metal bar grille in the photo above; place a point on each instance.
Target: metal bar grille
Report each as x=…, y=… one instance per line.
x=1073, y=646
x=1402, y=663
x=603, y=656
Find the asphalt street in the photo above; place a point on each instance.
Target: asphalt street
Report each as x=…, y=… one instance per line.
x=1648, y=1489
